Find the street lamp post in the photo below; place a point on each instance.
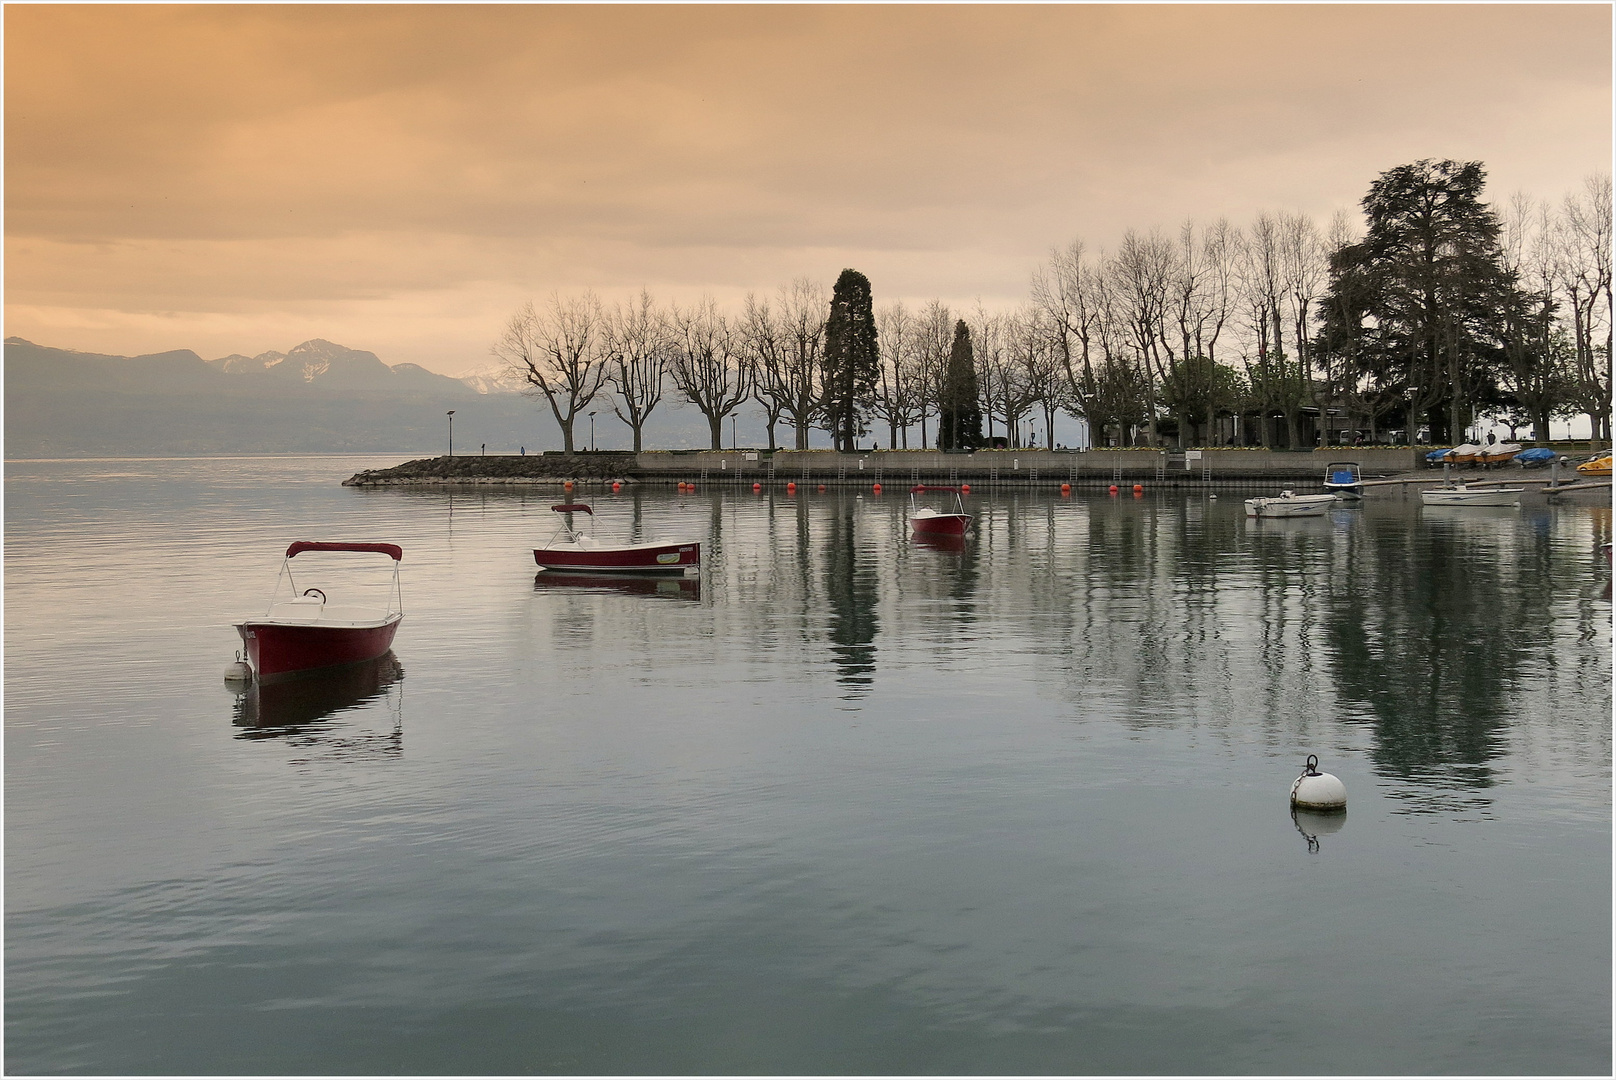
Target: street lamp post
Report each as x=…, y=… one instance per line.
x=734, y=440
x=451, y=432
x=592, y=432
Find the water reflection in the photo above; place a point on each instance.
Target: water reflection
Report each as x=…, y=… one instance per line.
x=671, y=588
x=1312, y=825
x=850, y=587
x=298, y=710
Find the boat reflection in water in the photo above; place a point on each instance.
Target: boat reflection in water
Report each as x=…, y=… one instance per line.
x=298, y=709
x=939, y=542
x=672, y=588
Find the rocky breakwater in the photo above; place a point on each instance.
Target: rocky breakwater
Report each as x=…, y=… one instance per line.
x=547, y=469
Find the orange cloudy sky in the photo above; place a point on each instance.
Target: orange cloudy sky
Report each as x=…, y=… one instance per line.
x=399, y=178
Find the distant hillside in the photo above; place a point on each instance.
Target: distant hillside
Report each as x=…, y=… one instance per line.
x=318, y=397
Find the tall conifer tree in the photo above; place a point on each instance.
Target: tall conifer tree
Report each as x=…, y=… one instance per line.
x=852, y=358
x=959, y=426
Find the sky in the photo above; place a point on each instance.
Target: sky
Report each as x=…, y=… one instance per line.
x=236, y=179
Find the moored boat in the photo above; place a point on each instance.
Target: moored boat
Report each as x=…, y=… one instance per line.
x=1465, y=454
x=306, y=631
x=572, y=551
x=1471, y=495
x=1596, y=466
x=1288, y=504
x=1344, y=478
x=948, y=519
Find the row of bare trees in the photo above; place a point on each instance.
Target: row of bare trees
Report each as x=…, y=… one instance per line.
x=1215, y=332
x=577, y=351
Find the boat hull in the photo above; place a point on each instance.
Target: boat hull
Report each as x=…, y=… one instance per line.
x=940, y=524
x=674, y=558
x=1442, y=497
x=277, y=650
x=1297, y=506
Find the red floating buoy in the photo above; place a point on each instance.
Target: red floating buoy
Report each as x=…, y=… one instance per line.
x=1113, y=489
x=757, y=487
x=1139, y=489
x=567, y=486
x=876, y=489
x=616, y=486
x=821, y=487
x=791, y=488
x=1066, y=489
x=965, y=489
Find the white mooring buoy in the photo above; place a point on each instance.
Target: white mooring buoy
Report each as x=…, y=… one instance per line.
x=238, y=672
x=1314, y=790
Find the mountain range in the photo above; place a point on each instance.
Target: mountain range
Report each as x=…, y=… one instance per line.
x=318, y=397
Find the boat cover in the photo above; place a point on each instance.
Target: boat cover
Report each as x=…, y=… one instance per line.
x=568, y=508
x=1535, y=455
x=1341, y=476
x=392, y=550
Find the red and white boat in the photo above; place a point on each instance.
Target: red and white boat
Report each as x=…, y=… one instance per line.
x=577, y=552
x=949, y=519
x=307, y=631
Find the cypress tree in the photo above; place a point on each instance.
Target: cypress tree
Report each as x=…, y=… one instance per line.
x=852, y=358
x=959, y=426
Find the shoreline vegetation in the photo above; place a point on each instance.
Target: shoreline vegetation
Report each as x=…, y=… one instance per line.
x=895, y=470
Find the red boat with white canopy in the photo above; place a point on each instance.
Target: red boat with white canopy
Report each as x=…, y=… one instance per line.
x=574, y=551
x=307, y=631
x=950, y=519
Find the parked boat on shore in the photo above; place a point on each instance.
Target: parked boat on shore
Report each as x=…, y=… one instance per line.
x=306, y=632
x=1535, y=458
x=1498, y=453
x=570, y=550
x=1596, y=466
x=1288, y=504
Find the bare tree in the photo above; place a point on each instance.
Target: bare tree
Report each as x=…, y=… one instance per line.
x=1141, y=276
x=1069, y=290
x=934, y=340
x=708, y=364
x=764, y=342
x=1262, y=289
x=1585, y=280
x=802, y=308
x=636, y=347
x=895, y=399
x=557, y=354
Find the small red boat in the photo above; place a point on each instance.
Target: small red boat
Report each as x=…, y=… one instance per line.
x=306, y=631
x=577, y=552
x=948, y=520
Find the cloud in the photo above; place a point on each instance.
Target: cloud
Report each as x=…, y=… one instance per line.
x=227, y=160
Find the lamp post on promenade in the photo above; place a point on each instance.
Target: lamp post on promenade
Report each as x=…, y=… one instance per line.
x=451, y=432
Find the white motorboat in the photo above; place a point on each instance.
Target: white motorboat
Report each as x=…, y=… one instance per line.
x=1288, y=504
x=1472, y=495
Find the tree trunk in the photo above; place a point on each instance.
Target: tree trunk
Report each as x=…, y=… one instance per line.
x=716, y=423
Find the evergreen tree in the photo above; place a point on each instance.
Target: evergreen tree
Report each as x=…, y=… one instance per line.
x=959, y=425
x=1419, y=305
x=852, y=358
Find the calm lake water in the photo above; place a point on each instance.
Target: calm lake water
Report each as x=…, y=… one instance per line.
x=846, y=804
